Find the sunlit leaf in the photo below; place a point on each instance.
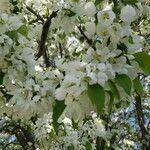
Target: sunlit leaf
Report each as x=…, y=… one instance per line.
x=143, y=60
x=98, y=2
x=23, y=30
x=57, y=111
x=96, y=94
x=111, y=101
x=125, y=82
x=1, y=77
x=88, y=146
x=13, y=35
x=114, y=89
x=138, y=86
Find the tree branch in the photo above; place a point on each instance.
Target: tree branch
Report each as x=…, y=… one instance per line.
x=89, y=41
x=35, y=13
x=141, y=120
x=23, y=134
x=100, y=143
x=60, y=50
x=42, y=47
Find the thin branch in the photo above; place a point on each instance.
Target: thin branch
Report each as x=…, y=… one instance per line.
x=42, y=47
x=46, y=57
x=100, y=143
x=6, y=145
x=89, y=41
x=141, y=120
x=23, y=134
x=60, y=50
x=35, y=13
x=34, y=21
x=115, y=2
x=140, y=115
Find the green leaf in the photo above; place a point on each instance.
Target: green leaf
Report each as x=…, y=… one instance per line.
x=131, y=40
x=125, y=82
x=23, y=30
x=131, y=2
x=76, y=1
x=138, y=86
x=57, y=111
x=71, y=147
x=143, y=60
x=88, y=146
x=96, y=94
x=114, y=89
x=1, y=77
x=13, y=35
x=98, y=2
x=70, y=13
x=111, y=101
x=122, y=47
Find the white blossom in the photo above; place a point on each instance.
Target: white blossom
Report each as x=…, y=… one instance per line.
x=106, y=17
x=4, y=5
x=90, y=27
x=89, y=9
x=60, y=93
x=127, y=14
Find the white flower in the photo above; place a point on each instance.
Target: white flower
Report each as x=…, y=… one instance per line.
x=67, y=121
x=4, y=17
x=78, y=9
x=4, y=5
x=146, y=9
x=120, y=64
x=14, y=22
x=136, y=45
x=101, y=66
x=100, y=128
x=126, y=30
x=89, y=9
x=60, y=93
x=75, y=112
x=127, y=14
x=90, y=27
x=43, y=126
x=116, y=32
x=101, y=78
x=106, y=17
x=36, y=98
x=67, y=24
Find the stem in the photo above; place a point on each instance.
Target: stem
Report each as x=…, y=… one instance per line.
x=23, y=134
x=45, y=29
x=100, y=143
x=141, y=121
x=35, y=13
x=61, y=50
x=87, y=39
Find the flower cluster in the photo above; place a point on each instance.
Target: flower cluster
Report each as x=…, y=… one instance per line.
x=68, y=135
x=88, y=43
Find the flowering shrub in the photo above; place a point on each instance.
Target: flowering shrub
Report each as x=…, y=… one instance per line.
x=67, y=65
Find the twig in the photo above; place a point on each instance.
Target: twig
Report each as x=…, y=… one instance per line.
x=140, y=118
x=34, y=21
x=23, y=134
x=100, y=143
x=6, y=145
x=60, y=49
x=87, y=39
x=35, y=13
x=46, y=57
x=42, y=47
